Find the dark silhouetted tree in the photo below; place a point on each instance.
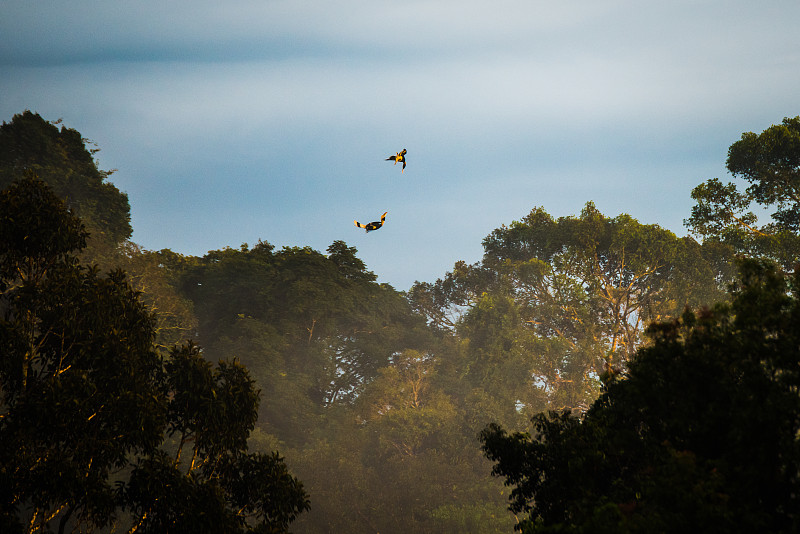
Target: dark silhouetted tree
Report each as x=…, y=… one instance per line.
x=700, y=435
x=93, y=421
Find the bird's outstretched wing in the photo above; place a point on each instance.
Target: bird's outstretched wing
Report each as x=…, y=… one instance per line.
x=398, y=158
x=369, y=227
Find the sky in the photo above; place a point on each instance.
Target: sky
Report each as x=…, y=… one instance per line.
x=238, y=121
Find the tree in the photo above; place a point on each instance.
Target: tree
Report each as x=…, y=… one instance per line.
x=87, y=403
x=78, y=381
x=402, y=458
x=770, y=162
x=587, y=272
x=155, y=276
x=701, y=433
x=567, y=300
x=356, y=400
x=314, y=329
x=61, y=158
x=212, y=411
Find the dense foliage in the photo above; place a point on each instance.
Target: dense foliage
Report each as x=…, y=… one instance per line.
x=357, y=389
x=61, y=158
x=376, y=397
x=29, y=145
x=702, y=434
x=93, y=422
x=770, y=163
x=567, y=300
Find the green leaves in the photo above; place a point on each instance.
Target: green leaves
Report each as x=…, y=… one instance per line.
x=86, y=400
x=36, y=229
x=324, y=327
x=29, y=144
x=217, y=486
x=567, y=300
x=78, y=370
x=263, y=490
x=770, y=162
x=215, y=409
x=702, y=432
x=718, y=207
x=377, y=395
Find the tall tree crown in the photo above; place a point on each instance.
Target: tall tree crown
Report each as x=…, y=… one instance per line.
x=61, y=158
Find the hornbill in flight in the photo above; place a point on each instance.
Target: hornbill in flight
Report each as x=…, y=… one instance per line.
x=373, y=225
x=399, y=157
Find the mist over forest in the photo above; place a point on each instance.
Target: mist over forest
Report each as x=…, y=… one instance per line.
x=591, y=373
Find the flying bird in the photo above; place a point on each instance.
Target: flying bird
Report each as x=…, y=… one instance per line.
x=373, y=225
x=400, y=157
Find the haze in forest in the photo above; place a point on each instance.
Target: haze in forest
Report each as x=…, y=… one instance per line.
x=285, y=388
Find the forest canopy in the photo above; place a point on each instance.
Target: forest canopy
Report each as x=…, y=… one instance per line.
x=576, y=347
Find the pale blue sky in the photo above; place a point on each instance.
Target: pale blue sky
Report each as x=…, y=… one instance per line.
x=235, y=121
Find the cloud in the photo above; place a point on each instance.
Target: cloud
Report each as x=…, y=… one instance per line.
x=242, y=120
x=85, y=30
